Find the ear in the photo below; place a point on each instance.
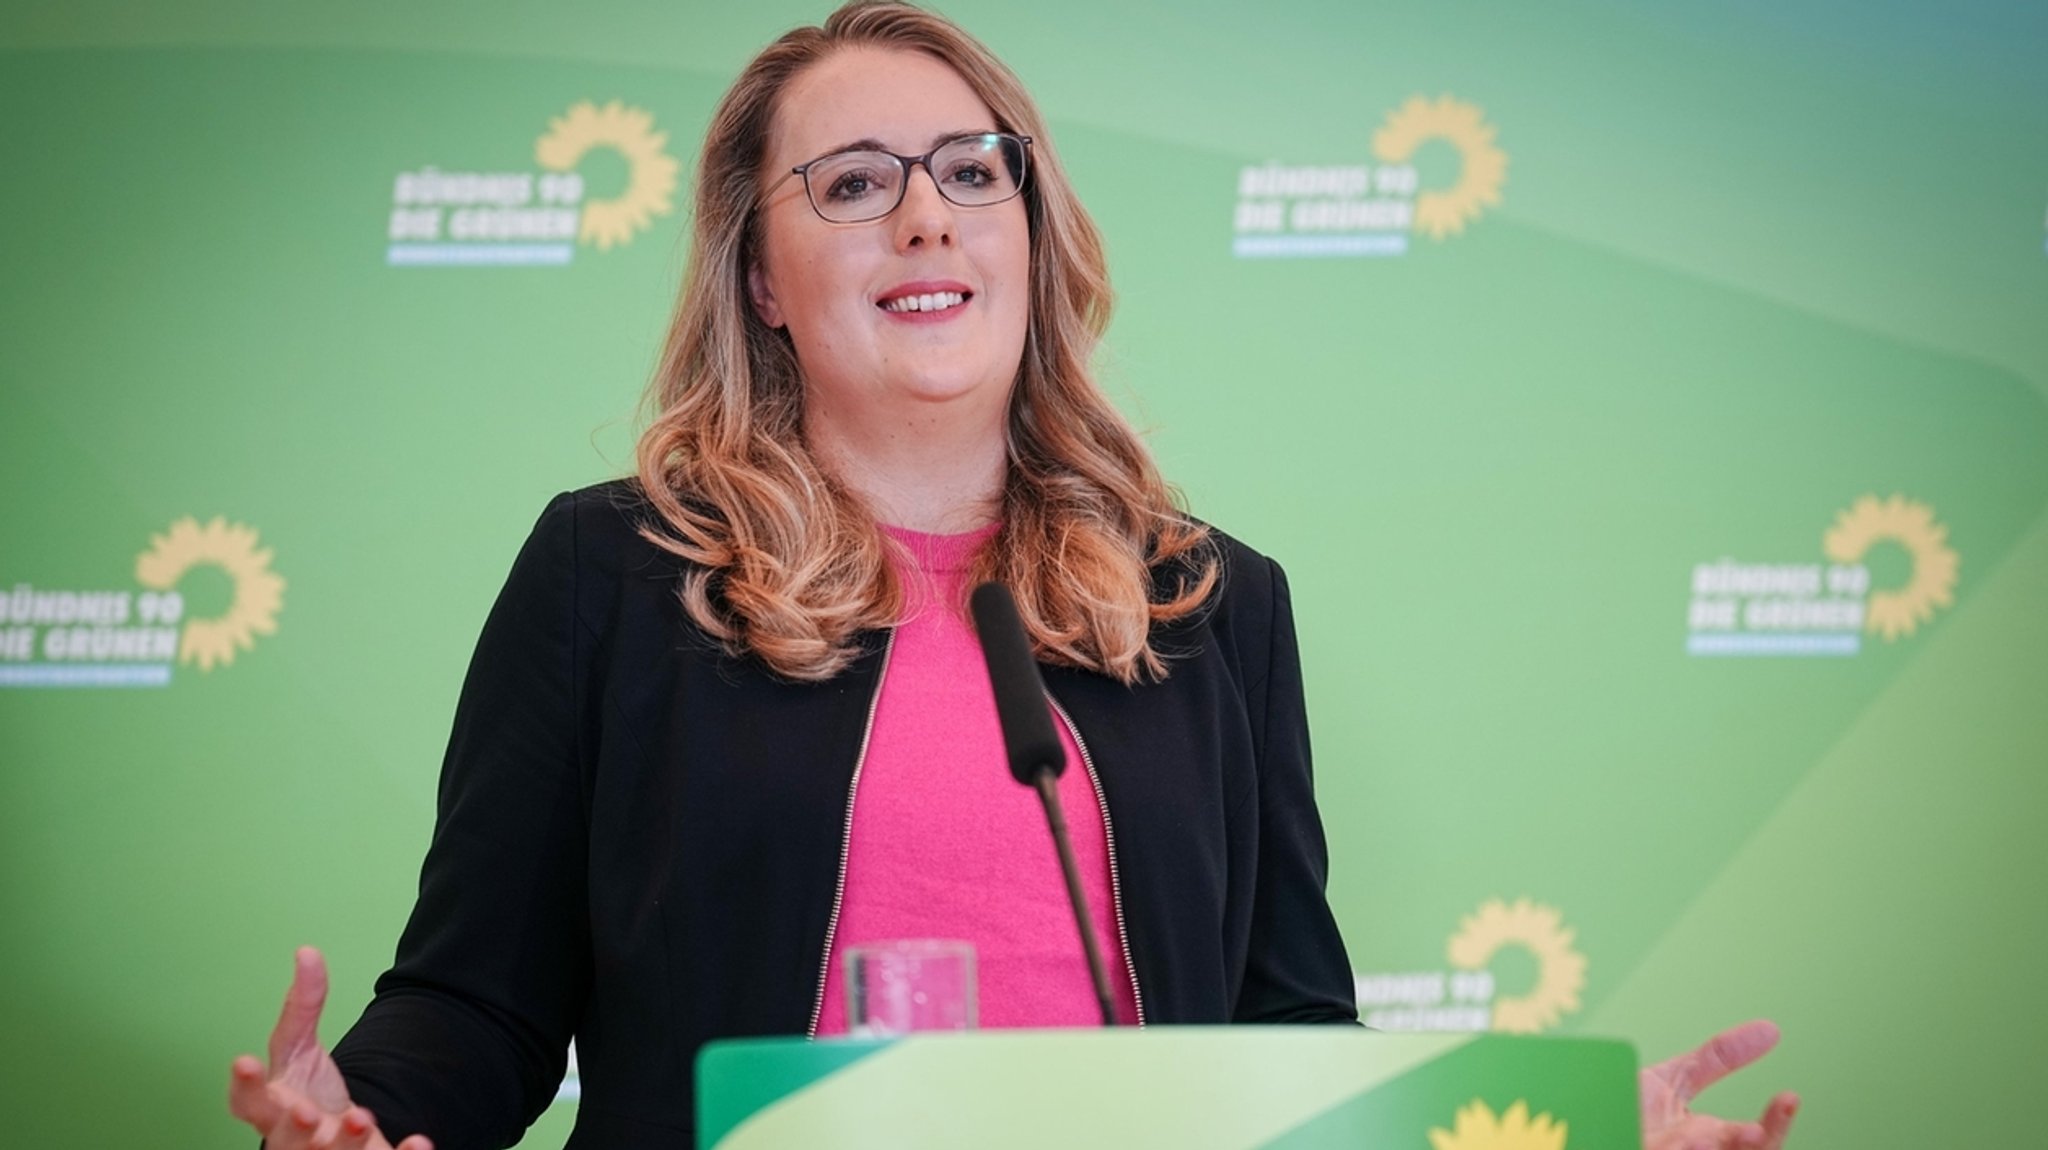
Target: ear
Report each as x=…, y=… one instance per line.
x=763, y=296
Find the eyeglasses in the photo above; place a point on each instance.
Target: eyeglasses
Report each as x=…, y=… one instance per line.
x=855, y=187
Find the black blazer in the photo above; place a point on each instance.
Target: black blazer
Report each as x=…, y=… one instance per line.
x=638, y=843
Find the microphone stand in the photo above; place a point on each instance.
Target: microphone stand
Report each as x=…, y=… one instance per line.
x=1036, y=757
x=1047, y=786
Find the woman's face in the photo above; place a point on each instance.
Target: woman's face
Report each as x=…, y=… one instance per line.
x=831, y=285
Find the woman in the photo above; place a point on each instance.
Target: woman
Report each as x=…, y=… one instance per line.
x=722, y=721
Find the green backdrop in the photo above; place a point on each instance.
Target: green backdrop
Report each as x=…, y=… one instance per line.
x=1649, y=403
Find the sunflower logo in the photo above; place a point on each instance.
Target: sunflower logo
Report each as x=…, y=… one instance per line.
x=259, y=591
x=1478, y=1128
x=651, y=172
x=1483, y=170
x=1560, y=970
x=1869, y=521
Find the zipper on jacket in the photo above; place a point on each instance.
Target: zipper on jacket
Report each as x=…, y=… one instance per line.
x=846, y=841
x=1116, y=890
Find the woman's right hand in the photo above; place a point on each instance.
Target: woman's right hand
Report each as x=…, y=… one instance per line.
x=301, y=1101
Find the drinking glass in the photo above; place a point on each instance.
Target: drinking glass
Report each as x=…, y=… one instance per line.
x=906, y=985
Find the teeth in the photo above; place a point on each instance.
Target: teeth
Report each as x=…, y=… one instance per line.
x=933, y=302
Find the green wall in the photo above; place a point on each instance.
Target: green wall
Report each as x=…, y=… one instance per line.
x=1668, y=538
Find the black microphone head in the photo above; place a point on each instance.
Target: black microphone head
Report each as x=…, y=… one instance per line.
x=1028, y=734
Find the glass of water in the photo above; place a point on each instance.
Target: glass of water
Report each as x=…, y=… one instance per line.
x=908, y=985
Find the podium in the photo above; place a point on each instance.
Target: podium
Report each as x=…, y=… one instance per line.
x=1214, y=1088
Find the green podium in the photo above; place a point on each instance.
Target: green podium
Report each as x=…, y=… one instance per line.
x=1219, y=1088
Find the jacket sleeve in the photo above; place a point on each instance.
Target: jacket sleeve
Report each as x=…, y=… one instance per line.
x=466, y=1039
x=1296, y=969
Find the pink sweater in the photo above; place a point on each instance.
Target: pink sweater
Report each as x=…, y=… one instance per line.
x=947, y=845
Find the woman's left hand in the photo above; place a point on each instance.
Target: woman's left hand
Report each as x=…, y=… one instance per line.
x=1669, y=1087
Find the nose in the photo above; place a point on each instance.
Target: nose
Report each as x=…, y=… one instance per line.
x=924, y=218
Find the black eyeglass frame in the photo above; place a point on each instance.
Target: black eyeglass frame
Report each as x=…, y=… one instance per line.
x=906, y=163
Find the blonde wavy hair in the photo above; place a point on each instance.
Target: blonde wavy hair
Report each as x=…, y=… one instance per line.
x=785, y=562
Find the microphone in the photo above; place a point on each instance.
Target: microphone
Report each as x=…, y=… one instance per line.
x=1028, y=737
x=1034, y=750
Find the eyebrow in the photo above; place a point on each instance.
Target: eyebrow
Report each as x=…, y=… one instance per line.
x=870, y=144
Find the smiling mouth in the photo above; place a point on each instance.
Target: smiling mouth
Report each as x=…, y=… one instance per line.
x=933, y=301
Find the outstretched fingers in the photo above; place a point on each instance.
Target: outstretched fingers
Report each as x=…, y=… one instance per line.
x=1778, y=1119
x=355, y=1130
x=249, y=1094
x=301, y=1126
x=1722, y=1055
x=298, y=1023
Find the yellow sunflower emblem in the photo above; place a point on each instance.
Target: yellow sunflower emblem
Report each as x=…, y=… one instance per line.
x=259, y=591
x=1560, y=970
x=651, y=172
x=1484, y=167
x=1478, y=1128
x=1898, y=611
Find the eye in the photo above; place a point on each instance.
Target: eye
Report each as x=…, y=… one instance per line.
x=853, y=185
x=970, y=174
